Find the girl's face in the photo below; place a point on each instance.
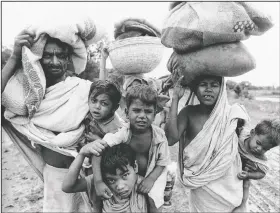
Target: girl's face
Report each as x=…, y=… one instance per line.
x=140, y=115
x=100, y=107
x=208, y=91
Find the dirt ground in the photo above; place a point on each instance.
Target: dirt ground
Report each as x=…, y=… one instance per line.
x=22, y=190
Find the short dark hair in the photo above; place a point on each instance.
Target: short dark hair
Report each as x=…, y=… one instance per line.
x=193, y=85
x=117, y=157
x=271, y=128
x=61, y=44
x=143, y=92
x=106, y=87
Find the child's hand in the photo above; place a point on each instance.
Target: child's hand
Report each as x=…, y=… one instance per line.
x=146, y=185
x=242, y=175
x=250, y=166
x=104, y=52
x=178, y=90
x=91, y=137
x=94, y=148
x=102, y=190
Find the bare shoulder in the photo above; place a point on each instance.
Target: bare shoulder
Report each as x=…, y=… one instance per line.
x=189, y=110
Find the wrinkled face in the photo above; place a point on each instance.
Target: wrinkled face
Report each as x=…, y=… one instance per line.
x=122, y=183
x=100, y=107
x=54, y=60
x=259, y=144
x=208, y=91
x=140, y=115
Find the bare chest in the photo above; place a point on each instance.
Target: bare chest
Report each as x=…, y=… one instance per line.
x=141, y=145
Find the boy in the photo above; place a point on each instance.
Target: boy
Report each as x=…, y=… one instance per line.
x=252, y=147
x=103, y=101
x=208, y=156
x=119, y=171
x=148, y=141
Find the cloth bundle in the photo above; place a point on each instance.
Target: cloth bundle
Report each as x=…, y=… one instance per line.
x=206, y=38
x=229, y=60
x=134, y=27
x=26, y=88
x=194, y=25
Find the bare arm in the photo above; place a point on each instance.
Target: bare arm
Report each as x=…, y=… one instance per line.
x=103, y=74
x=146, y=185
x=156, y=172
x=71, y=183
x=23, y=39
x=100, y=187
x=256, y=175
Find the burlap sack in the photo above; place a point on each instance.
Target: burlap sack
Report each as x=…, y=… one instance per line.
x=226, y=60
x=193, y=25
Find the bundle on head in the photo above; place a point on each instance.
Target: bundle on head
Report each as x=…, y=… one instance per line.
x=133, y=27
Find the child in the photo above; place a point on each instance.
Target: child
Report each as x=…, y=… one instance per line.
x=103, y=101
x=148, y=141
x=208, y=154
x=252, y=147
x=119, y=171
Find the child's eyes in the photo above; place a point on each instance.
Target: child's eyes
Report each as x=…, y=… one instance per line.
x=136, y=110
x=110, y=181
x=148, y=111
x=125, y=175
x=104, y=104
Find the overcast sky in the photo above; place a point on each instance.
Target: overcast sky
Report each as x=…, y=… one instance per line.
x=265, y=48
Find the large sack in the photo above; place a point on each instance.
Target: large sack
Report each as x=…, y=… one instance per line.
x=226, y=60
x=193, y=25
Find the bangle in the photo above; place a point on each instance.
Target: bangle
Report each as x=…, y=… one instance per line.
x=15, y=57
x=170, y=119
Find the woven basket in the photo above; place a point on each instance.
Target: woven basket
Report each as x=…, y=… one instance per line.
x=136, y=55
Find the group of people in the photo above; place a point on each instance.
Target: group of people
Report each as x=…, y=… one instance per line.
x=121, y=163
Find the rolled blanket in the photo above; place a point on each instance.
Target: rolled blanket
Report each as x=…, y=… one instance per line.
x=135, y=27
x=26, y=88
x=226, y=60
x=193, y=25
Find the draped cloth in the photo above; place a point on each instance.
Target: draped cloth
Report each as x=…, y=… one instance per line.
x=208, y=166
x=61, y=100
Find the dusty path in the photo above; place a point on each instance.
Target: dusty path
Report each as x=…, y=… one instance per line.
x=22, y=190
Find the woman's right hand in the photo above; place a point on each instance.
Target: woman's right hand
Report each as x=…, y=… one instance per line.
x=24, y=38
x=178, y=90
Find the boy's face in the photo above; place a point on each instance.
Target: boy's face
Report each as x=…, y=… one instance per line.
x=259, y=144
x=140, y=115
x=208, y=90
x=123, y=182
x=100, y=107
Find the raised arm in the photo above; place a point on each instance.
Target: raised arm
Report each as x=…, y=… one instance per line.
x=71, y=182
x=101, y=188
x=103, y=71
x=176, y=123
x=23, y=39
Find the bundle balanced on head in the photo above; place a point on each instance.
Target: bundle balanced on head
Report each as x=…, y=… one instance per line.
x=205, y=37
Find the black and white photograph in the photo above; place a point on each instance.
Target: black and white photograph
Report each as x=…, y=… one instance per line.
x=140, y=106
